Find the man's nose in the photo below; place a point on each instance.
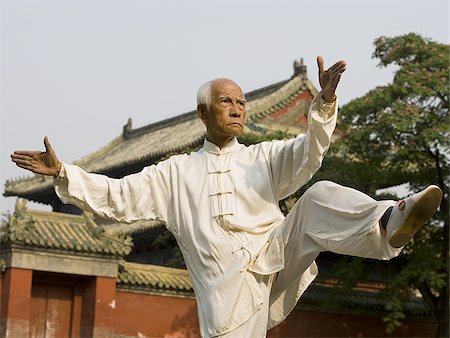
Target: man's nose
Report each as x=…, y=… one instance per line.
x=235, y=112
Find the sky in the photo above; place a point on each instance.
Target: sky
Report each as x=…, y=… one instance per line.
x=77, y=70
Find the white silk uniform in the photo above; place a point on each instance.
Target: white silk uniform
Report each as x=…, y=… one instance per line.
x=222, y=207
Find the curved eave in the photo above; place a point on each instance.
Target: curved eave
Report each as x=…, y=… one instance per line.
x=145, y=276
x=62, y=232
x=136, y=148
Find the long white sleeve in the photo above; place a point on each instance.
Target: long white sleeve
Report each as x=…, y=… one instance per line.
x=134, y=197
x=295, y=161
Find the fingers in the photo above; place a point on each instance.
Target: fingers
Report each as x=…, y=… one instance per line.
x=25, y=162
x=23, y=166
x=48, y=147
x=25, y=159
x=338, y=67
x=21, y=157
x=320, y=64
x=39, y=162
x=335, y=73
x=335, y=80
x=25, y=152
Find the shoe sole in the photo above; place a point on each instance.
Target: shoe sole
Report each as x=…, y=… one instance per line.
x=421, y=212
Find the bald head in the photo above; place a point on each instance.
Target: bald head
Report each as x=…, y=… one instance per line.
x=205, y=90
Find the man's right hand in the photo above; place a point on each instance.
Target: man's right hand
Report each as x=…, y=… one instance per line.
x=39, y=162
x=329, y=78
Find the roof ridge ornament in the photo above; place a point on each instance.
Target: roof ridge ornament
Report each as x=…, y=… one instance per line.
x=21, y=204
x=299, y=68
x=100, y=232
x=96, y=229
x=127, y=129
x=19, y=223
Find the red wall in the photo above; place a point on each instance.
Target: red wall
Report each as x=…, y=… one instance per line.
x=106, y=311
x=302, y=323
x=155, y=316
x=15, y=305
x=158, y=316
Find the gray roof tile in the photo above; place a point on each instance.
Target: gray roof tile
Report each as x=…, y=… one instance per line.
x=51, y=230
x=146, y=276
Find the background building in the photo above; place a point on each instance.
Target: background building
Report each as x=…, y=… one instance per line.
x=64, y=273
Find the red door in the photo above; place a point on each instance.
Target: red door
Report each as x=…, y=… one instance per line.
x=51, y=314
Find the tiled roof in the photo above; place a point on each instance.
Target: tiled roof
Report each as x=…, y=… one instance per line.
x=317, y=296
x=72, y=233
x=139, y=227
x=153, y=277
x=158, y=278
x=275, y=107
x=57, y=231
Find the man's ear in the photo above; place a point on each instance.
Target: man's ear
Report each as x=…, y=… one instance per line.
x=201, y=112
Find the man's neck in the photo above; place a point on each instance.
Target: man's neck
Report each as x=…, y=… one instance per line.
x=220, y=142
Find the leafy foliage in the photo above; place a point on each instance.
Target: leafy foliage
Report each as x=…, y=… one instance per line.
x=400, y=133
x=252, y=138
x=403, y=127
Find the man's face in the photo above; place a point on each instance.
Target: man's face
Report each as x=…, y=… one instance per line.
x=225, y=116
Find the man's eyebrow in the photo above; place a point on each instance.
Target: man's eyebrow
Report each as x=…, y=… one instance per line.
x=224, y=96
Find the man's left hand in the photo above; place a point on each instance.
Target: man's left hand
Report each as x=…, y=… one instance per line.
x=329, y=79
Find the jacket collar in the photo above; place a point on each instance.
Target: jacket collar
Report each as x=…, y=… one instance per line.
x=229, y=147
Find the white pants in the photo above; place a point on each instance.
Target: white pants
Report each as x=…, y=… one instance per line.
x=328, y=217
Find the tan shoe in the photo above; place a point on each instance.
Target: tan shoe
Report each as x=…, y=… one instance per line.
x=408, y=215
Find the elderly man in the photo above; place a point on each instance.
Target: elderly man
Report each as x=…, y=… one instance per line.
x=249, y=264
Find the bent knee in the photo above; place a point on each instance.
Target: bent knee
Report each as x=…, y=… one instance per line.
x=321, y=187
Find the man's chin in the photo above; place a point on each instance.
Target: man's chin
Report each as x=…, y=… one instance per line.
x=238, y=133
x=238, y=130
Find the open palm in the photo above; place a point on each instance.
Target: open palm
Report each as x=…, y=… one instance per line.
x=39, y=162
x=329, y=78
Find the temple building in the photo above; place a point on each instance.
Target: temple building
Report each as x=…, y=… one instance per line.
x=67, y=273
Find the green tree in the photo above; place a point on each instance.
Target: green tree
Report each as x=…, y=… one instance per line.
x=400, y=133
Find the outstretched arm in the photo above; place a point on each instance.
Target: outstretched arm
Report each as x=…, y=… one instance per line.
x=135, y=197
x=39, y=162
x=329, y=78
